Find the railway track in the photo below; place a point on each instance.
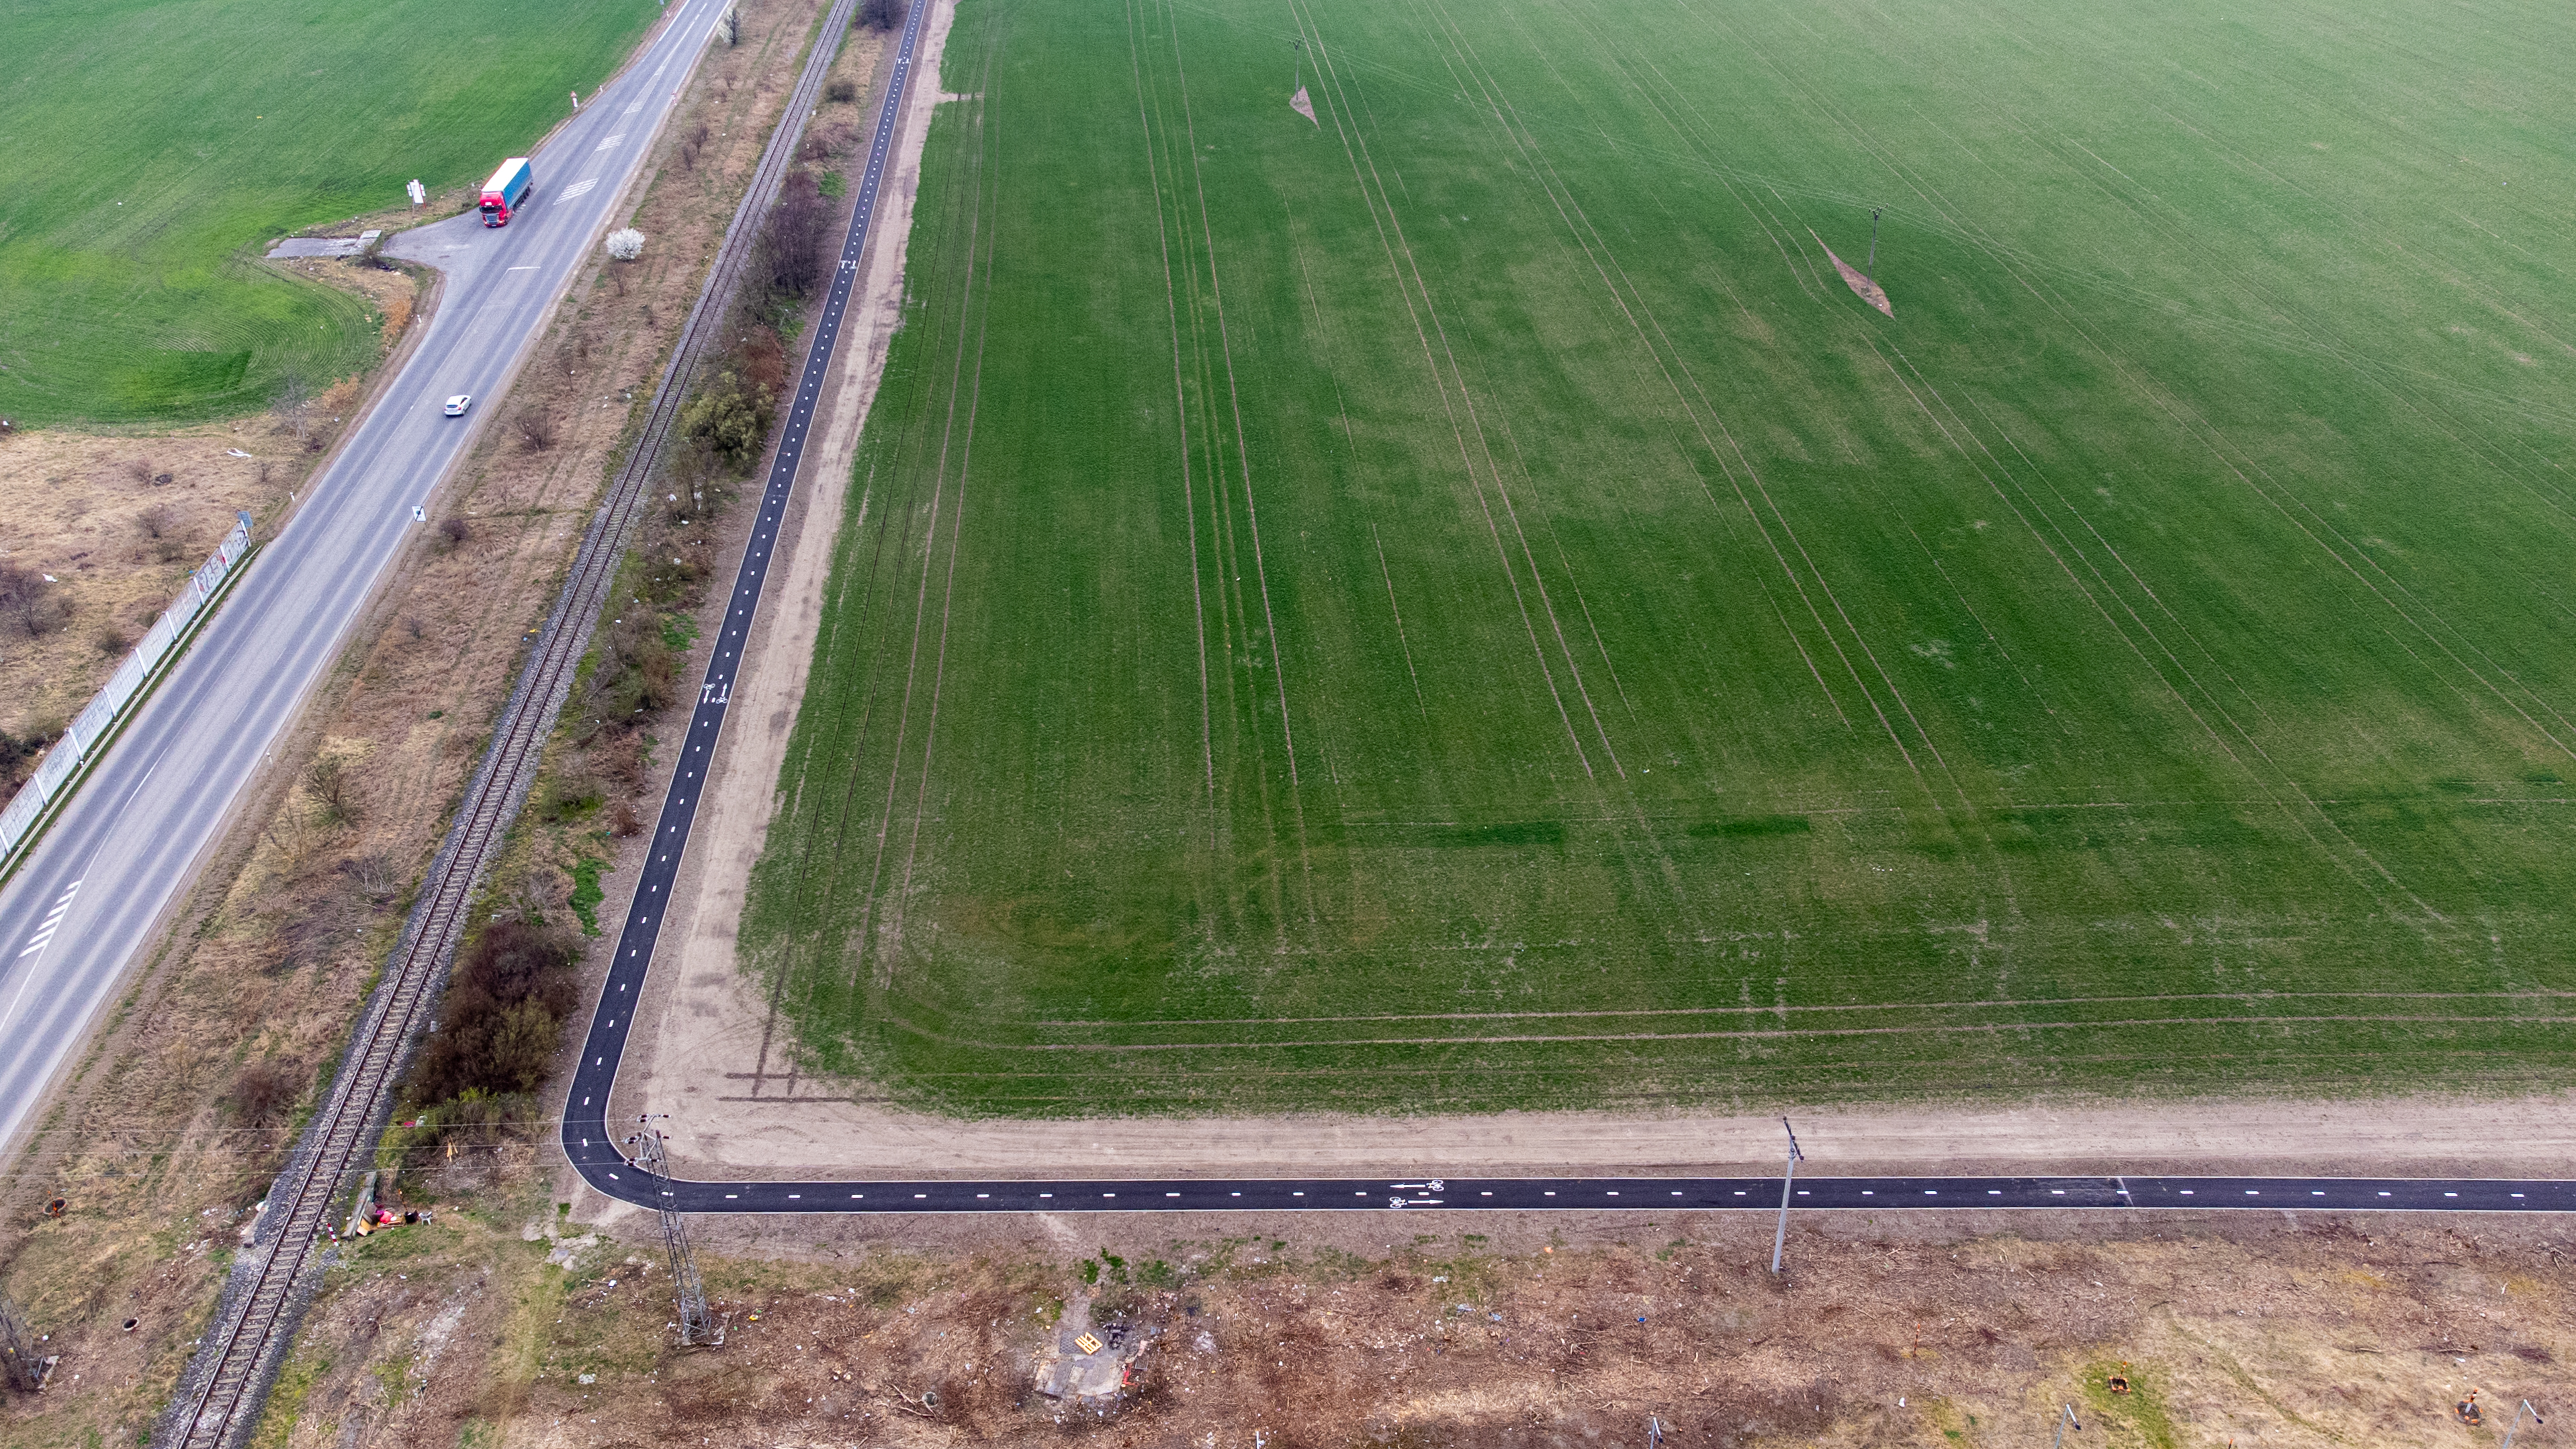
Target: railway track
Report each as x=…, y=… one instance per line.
x=226, y=1384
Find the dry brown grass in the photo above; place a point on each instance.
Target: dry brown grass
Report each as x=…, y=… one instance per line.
x=1555, y=1330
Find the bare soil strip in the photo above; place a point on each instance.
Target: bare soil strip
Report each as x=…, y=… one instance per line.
x=1862, y=287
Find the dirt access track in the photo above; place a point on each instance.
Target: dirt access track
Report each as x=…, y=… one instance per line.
x=707, y=1054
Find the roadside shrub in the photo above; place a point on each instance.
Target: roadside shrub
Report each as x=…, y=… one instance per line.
x=843, y=90
x=455, y=531
x=502, y=1014
x=732, y=419
x=263, y=1091
x=20, y=753
x=881, y=14
x=626, y=244
x=28, y=605
x=536, y=429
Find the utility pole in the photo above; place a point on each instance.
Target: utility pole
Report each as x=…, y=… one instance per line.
x=2516, y=1426
x=697, y=1325
x=1870, y=272
x=2066, y=1416
x=20, y=1366
x=1788, y=1175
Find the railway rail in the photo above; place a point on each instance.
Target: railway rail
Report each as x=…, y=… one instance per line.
x=221, y=1394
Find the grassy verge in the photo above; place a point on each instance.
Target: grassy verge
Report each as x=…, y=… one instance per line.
x=1456, y=604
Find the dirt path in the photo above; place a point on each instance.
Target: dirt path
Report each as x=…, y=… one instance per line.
x=721, y=1130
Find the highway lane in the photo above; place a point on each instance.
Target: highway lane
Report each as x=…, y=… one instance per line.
x=597, y=1148
x=84, y=904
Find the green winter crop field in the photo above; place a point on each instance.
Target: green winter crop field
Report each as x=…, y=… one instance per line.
x=1457, y=605
x=149, y=151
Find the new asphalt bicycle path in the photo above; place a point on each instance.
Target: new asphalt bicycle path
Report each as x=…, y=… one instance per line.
x=598, y=1148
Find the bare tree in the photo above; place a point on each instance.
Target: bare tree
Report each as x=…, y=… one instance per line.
x=294, y=397
x=536, y=429
x=794, y=247
x=328, y=784
x=881, y=14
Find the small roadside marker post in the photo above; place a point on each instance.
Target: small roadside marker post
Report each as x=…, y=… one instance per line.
x=1788, y=1175
x=419, y=514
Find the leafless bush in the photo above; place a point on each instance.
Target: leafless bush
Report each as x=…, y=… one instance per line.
x=263, y=1090
x=455, y=531
x=327, y=783
x=536, y=430
x=842, y=89
x=111, y=640
x=881, y=14
x=160, y=529
x=375, y=876
x=29, y=605
x=140, y=470
x=623, y=821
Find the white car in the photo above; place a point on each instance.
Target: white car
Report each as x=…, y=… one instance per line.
x=457, y=405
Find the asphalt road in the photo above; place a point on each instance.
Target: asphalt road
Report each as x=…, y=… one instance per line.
x=85, y=903
x=614, y=1176
x=596, y=1147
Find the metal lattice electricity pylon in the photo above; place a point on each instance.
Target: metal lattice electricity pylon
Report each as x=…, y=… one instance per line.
x=696, y=1324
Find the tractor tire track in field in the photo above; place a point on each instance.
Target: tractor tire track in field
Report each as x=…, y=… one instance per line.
x=1271, y=639
x=2198, y=430
x=1381, y=205
x=871, y=922
x=2190, y=424
x=1632, y=305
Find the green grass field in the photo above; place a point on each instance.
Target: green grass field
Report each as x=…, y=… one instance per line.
x=149, y=151
x=1457, y=606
